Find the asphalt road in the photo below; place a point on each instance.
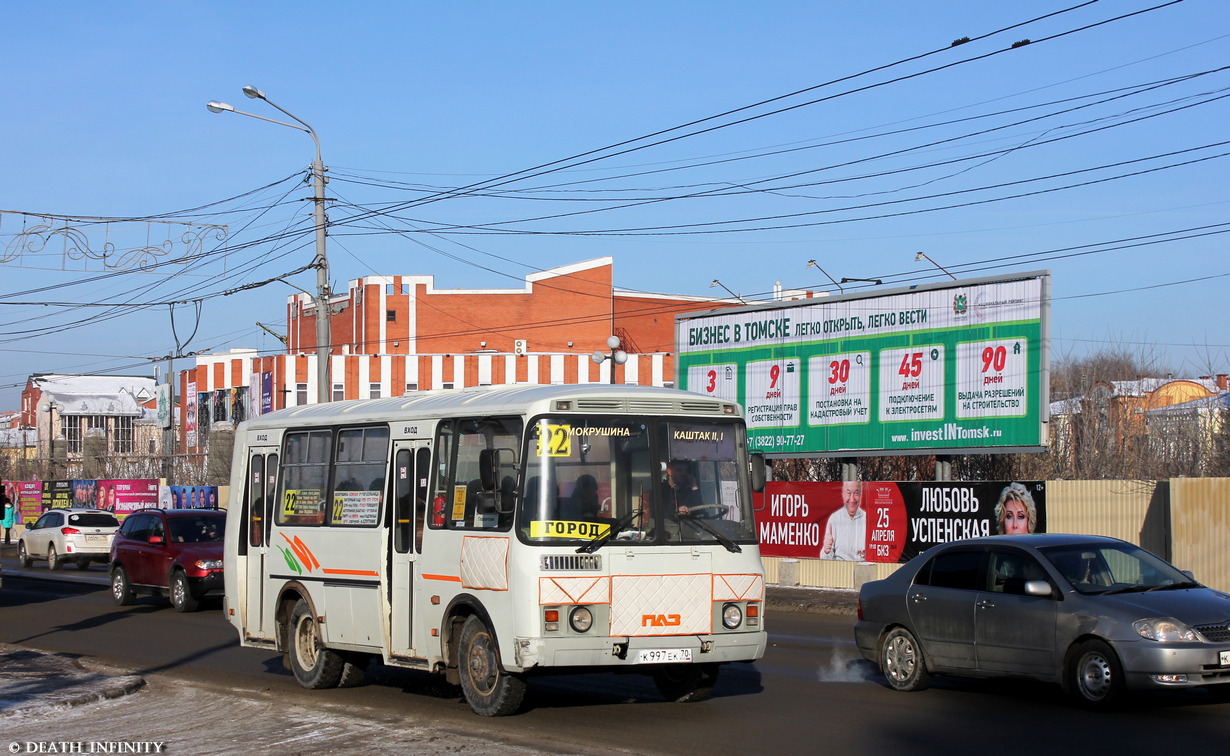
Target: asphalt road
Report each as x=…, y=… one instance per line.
x=810, y=694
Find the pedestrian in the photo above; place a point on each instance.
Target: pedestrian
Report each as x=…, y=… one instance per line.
x=9, y=515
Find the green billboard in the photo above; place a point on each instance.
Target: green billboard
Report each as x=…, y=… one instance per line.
x=958, y=367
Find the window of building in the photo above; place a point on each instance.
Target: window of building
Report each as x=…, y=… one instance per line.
x=390, y=315
x=123, y=435
x=339, y=392
x=447, y=385
x=411, y=387
x=374, y=391
x=405, y=289
x=70, y=428
x=300, y=394
x=389, y=290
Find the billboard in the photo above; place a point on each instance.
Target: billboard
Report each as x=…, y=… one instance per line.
x=878, y=521
x=957, y=367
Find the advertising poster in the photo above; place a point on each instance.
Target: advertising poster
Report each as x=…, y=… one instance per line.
x=949, y=367
x=194, y=497
x=267, y=391
x=124, y=497
x=28, y=496
x=873, y=521
x=57, y=494
x=190, y=410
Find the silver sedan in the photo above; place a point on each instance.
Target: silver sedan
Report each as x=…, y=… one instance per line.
x=1097, y=615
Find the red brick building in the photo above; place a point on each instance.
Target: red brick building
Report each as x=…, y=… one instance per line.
x=395, y=334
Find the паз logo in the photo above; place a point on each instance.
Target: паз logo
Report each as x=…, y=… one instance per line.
x=660, y=620
x=959, y=304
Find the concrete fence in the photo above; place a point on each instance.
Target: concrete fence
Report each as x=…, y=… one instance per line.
x=1184, y=520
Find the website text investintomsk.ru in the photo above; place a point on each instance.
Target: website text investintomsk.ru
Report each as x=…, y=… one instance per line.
x=949, y=432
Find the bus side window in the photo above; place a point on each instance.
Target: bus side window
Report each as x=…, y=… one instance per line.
x=271, y=491
x=422, y=466
x=403, y=492
x=256, y=500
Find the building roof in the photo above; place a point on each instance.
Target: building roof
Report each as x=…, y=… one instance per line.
x=1205, y=403
x=96, y=394
x=1143, y=386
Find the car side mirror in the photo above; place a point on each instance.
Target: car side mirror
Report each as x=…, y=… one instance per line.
x=1037, y=588
x=155, y=540
x=1190, y=576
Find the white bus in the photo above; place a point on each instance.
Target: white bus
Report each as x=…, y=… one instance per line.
x=497, y=533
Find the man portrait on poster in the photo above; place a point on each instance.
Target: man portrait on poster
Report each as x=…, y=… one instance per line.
x=845, y=535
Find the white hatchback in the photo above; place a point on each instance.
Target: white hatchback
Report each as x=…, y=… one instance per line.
x=61, y=535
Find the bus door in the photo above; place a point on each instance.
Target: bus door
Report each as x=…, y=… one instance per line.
x=411, y=470
x=262, y=494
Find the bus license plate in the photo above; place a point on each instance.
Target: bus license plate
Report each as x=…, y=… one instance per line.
x=664, y=655
x=1225, y=658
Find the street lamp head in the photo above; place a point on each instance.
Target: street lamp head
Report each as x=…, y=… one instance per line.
x=620, y=357
x=213, y=106
x=598, y=358
x=253, y=93
x=919, y=257
x=613, y=342
x=715, y=284
x=811, y=264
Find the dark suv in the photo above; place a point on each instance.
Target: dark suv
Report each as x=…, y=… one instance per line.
x=169, y=552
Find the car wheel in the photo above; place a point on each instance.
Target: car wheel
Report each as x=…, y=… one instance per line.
x=488, y=688
x=1095, y=676
x=53, y=558
x=22, y=555
x=181, y=593
x=314, y=666
x=121, y=589
x=902, y=662
x=686, y=683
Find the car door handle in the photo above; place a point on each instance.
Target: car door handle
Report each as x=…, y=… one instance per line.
x=984, y=604
x=918, y=598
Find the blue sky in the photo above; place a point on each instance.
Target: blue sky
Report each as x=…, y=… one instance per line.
x=991, y=159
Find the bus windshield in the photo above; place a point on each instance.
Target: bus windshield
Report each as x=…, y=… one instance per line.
x=656, y=480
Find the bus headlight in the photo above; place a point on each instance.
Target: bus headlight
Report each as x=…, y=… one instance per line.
x=581, y=619
x=732, y=616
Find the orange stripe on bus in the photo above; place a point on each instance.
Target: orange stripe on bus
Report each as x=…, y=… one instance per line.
x=449, y=578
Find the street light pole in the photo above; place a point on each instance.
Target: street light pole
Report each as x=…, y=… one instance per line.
x=923, y=256
x=321, y=262
x=617, y=356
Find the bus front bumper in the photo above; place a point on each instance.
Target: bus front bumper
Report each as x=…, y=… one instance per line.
x=607, y=651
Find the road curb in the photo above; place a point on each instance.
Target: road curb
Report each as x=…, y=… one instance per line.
x=31, y=681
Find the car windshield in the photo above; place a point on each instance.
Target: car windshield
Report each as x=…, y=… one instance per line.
x=1100, y=568
x=199, y=529
x=593, y=480
x=92, y=520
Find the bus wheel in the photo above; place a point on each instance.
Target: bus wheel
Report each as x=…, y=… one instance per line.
x=354, y=669
x=490, y=691
x=315, y=666
x=686, y=683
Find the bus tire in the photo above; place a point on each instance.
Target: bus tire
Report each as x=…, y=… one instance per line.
x=354, y=669
x=686, y=683
x=314, y=666
x=489, y=689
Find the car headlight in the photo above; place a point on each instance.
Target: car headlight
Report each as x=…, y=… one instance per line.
x=1165, y=630
x=581, y=619
x=732, y=616
x=209, y=564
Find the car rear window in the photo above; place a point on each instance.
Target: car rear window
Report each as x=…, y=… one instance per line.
x=93, y=520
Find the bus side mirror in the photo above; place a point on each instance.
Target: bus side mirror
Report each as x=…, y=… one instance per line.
x=488, y=466
x=758, y=472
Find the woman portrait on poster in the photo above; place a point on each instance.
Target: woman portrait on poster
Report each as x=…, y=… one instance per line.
x=1015, y=513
